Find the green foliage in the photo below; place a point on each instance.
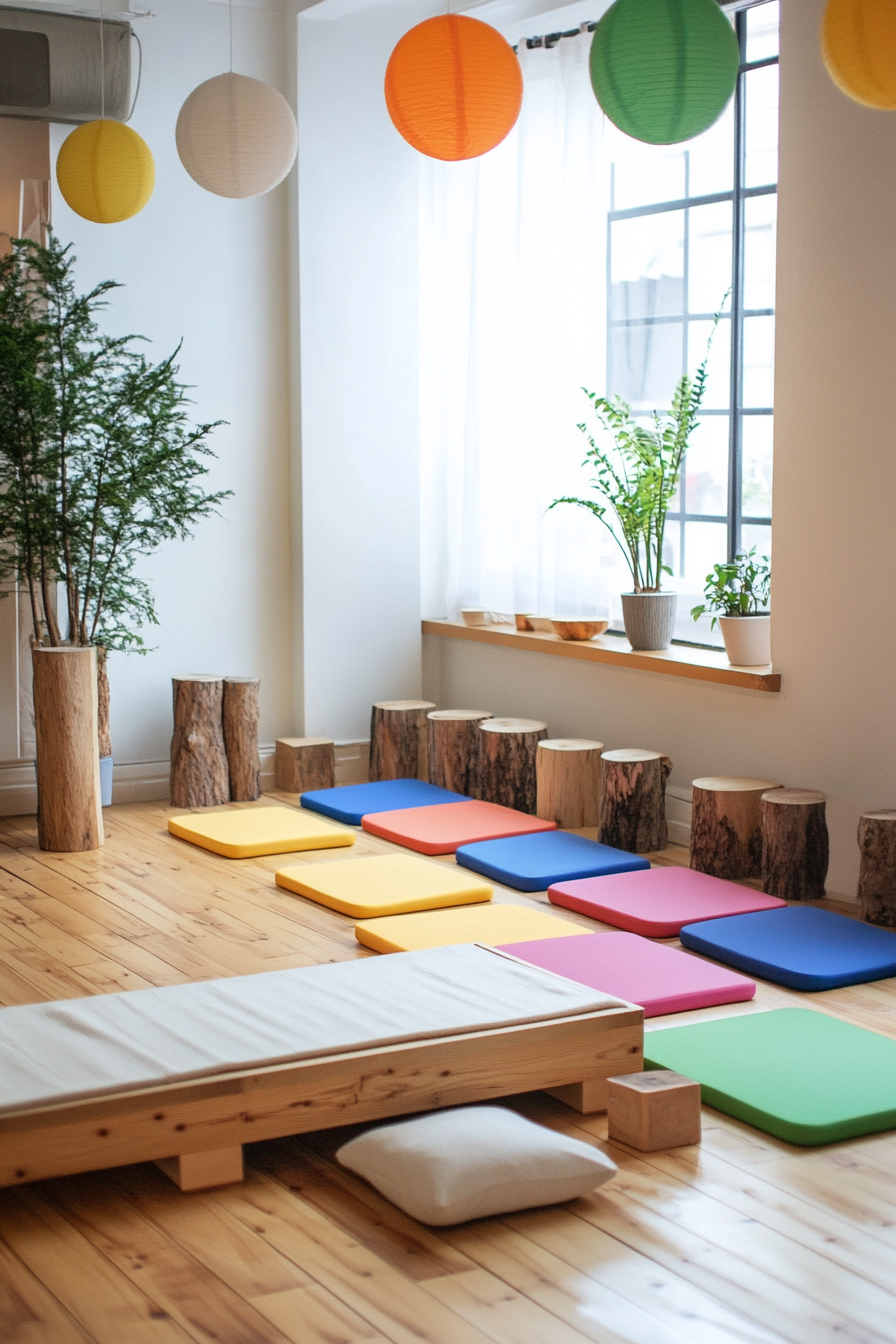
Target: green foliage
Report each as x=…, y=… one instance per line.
x=636, y=474
x=738, y=588
x=99, y=464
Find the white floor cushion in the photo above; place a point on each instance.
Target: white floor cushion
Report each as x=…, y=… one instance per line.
x=473, y=1162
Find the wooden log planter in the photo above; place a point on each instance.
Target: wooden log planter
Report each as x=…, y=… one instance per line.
x=398, y=739
x=199, y=774
x=726, y=825
x=69, y=814
x=877, y=874
x=633, y=799
x=304, y=763
x=507, y=762
x=452, y=744
x=794, y=844
x=240, y=723
x=567, y=771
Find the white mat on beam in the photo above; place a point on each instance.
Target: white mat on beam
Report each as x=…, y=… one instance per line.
x=54, y=1053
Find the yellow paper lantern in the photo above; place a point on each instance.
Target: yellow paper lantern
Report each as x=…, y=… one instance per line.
x=236, y=136
x=105, y=172
x=858, y=45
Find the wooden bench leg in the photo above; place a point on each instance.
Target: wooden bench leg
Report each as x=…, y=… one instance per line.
x=586, y=1097
x=200, y=1171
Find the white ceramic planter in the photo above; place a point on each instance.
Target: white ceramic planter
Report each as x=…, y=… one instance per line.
x=747, y=640
x=649, y=619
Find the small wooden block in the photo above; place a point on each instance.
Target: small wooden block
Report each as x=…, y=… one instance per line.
x=304, y=763
x=653, y=1110
x=201, y=1171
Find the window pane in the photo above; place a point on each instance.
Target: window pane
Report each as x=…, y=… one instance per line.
x=757, y=433
x=709, y=257
x=647, y=265
x=646, y=363
x=760, y=537
x=762, y=126
x=644, y=176
x=760, y=217
x=711, y=157
x=718, y=385
x=706, y=467
x=762, y=32
x=759, y=360
x=705, y=544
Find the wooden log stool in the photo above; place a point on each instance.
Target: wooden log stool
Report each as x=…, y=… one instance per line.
x=567, y=772
x=452, y=745
x=240, y=722
x=794, y=844
x=507, y=750
x=199, y=774
x=69, y=814
x=633, y=799
x=398, y=739
x=726, y=826
x=304, y=763
x=653, y=1110
x=877, y=874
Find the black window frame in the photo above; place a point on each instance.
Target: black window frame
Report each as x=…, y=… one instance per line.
x=736, y=313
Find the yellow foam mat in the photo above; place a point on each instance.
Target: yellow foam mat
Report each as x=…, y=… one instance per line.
x=247, y=832
x=389, y=884
x=491, y=924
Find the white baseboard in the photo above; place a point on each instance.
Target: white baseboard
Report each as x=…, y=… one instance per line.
x=678, y=816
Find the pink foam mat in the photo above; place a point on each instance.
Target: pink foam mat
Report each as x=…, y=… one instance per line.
x=445, y=827
x=658, y=978
x=658, y=902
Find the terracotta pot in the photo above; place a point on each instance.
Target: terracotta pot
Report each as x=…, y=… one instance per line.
x=649, y=619
x=747, y=640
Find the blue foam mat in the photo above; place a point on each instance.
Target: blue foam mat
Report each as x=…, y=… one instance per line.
x=536, y=862
x=354, y=801
x=801, y=946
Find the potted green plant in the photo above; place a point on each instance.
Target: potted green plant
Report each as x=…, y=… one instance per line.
x=736, y=594
x=98, y=463
x=635, y=478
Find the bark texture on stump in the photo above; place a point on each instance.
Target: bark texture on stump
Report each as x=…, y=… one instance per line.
x=452, y=745
x=794, y=844
x=304, y=763
x=199, y=775
x=398, y=739
x=726, y=826
x=877, y=874
x=633, y=800
x=567, y=771
x=240, y=721
x=69, y=814
x=102, y=686
x=507, y=750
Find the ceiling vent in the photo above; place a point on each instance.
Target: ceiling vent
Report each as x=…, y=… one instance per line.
x=50, y=66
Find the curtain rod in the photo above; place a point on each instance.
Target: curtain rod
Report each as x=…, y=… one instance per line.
x=549, y=40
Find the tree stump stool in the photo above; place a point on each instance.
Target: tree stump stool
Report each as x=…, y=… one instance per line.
x=567, y=772
x=240, y=722
x=304, y=763
x=507, y=750
x=398, y=739
x=199, y=775
x=633, y=799
x=726, y=826
x=69, y=815
x=877, y=874
x=794, y=844
x=452, y=743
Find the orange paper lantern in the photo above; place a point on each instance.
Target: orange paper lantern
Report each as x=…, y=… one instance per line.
x=453, y=87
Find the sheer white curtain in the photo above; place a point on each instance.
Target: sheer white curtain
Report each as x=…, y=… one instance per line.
x=513, y=325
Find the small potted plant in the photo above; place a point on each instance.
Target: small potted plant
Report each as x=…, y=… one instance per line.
x=736, y=594
x=635, y=478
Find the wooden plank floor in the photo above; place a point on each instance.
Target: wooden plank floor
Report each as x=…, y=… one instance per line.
x=741, y=1239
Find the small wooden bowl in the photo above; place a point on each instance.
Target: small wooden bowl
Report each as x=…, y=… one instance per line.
x=475, y=616
x=582, y=629
x=523, y=620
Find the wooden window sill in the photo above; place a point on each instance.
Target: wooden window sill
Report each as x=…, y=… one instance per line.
x=678, y=661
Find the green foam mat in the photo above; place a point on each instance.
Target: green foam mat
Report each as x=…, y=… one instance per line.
x=800, y=1075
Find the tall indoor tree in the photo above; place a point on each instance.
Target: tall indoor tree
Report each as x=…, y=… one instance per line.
x=99, y=463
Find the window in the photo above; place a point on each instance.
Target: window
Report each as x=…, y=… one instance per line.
x=684, y=227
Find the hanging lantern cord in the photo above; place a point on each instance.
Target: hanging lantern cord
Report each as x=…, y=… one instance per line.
x=102, y=66
x=230, y=9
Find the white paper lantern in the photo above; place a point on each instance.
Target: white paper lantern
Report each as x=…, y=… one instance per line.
x=236, y=136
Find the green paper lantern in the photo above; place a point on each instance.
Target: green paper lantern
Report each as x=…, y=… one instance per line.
x=664, y=70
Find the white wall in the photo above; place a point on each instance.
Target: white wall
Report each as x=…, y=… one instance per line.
x=834, y=634
x=213, y=272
